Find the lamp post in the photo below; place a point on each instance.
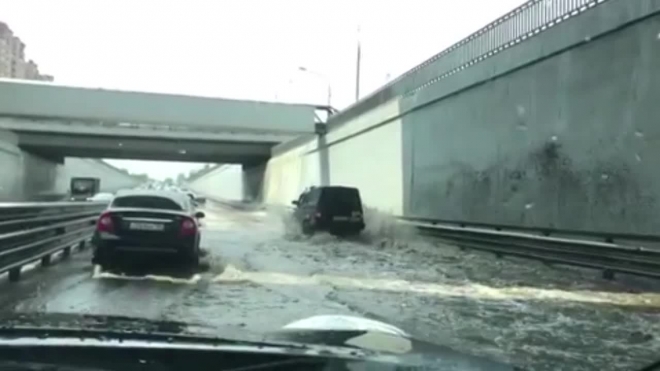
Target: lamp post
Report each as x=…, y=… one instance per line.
x=358, y=65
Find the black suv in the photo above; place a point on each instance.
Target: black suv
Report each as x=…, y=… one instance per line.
x=334, y=209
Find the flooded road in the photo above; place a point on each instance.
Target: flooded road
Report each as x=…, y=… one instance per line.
x=261, y=274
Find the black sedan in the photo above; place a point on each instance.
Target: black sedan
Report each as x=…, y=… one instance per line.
x=148, y=223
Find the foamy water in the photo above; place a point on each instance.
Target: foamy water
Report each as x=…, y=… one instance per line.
x=515, y=310
x=519, y=311
x=99, y=274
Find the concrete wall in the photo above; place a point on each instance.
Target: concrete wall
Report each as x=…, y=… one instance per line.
x=366, y=154
x=568, y=142
x=225, y=182
x=556, y=131
x=112, y=179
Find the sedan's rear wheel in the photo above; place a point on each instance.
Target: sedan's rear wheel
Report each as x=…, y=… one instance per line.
x=103, y=258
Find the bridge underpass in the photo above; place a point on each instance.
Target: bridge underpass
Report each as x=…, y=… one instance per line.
x=89, y=146
x=249, y=157
x=501, y=107
x=53, y=122
x=31, y=177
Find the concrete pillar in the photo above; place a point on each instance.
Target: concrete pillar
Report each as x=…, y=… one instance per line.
x=324, y=157
x=11, y=181
x=26, y=176
x=324, y=160
x=40, y=176
x=253, y=181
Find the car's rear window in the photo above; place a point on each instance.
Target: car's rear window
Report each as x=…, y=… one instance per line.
x=342, y=199
x=146, y=202
x=82, y=185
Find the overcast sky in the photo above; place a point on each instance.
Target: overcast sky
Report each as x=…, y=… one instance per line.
x=239, y=48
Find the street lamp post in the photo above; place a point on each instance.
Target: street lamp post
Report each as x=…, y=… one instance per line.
x=304, y=69
x=358, y=67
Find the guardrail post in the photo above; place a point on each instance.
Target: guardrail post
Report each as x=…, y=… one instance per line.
x=46, y=260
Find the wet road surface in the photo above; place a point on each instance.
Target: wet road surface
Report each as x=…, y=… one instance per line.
x=262, y=274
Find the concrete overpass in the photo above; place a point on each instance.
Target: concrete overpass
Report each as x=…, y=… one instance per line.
x=57, y=139
x=53, y=146
x=53, y=122
x=59, y=121
x=545, y=117
x=37, y=101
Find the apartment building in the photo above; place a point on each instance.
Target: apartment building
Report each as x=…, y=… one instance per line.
x=6, y=50
x=12, y=58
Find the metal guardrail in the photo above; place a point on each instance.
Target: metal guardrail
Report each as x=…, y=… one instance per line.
x=609, y=257
x=543, y=231
x=30, y=232
x=528, y=20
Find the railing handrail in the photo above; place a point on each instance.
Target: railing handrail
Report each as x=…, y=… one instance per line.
x=608, y=257
x=515, y=26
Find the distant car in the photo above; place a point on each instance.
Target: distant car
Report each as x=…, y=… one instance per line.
x=334, y=209
x=148, y=223
x=101, y=197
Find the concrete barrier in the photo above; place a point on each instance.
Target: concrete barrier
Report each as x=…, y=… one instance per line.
x=556, y=132
x=224, y=182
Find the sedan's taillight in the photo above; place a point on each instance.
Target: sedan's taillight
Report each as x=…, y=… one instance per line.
x=188, y=227
x=105, y=224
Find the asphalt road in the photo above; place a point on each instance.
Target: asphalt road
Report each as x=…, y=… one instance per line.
x=261, y=274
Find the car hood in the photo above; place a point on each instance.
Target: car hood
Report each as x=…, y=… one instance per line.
x=85, y=322
x=340, y=336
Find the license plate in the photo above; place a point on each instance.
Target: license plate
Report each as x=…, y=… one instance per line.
x=147, y=226
x=341, y=218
